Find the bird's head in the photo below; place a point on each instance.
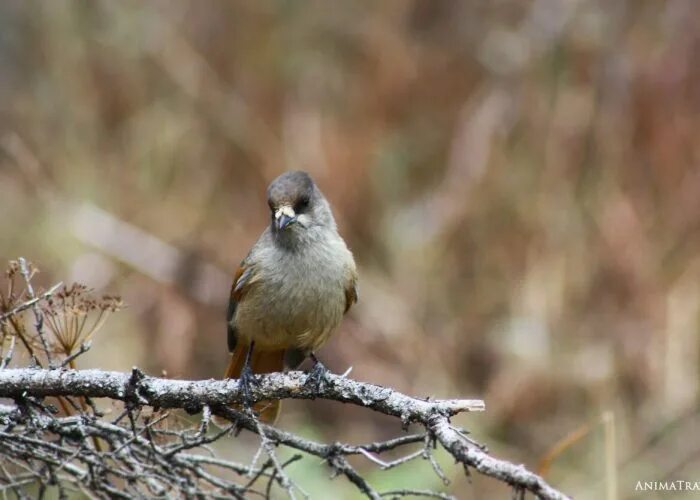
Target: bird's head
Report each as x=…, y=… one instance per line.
x=297, y=206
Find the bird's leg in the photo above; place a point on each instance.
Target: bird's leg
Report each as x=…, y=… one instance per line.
x=317, y=375
x=247, y=377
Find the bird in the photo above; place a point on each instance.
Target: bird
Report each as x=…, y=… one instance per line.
x=292, y=290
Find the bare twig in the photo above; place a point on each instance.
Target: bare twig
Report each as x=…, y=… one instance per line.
x=84, y=347
x=167, y=393
x=467, y=454
x=27, y=274
x=10, y=352
x=416, y=493
x=30, y=303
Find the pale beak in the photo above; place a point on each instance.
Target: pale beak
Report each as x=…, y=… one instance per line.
x=284, y=216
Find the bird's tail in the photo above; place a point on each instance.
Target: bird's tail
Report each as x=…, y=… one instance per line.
x=260, y=362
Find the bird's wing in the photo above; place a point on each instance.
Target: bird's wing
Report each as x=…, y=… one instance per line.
x=242, y=279
x=351, y=291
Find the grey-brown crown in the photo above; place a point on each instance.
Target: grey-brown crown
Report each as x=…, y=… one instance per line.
x=295, y=189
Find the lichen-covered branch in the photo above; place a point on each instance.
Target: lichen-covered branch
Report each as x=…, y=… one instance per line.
x=139, y=390
x=193, y=395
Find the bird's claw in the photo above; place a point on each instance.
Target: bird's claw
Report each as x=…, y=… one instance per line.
x=248, y=380
x=317, y=376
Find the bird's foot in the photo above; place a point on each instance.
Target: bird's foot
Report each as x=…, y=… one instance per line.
x=248, y=380
x=317, y=375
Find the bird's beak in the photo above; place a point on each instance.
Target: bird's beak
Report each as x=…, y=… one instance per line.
x=285, y=216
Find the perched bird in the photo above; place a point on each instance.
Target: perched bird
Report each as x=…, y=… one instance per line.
x=290, y=293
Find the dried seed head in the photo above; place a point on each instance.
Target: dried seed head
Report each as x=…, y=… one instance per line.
x=12, y=269
x=73, y=315
x=111, y=303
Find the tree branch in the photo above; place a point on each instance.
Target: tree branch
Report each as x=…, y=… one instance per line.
x=138, y=390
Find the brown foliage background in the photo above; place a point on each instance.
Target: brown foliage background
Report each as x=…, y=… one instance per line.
x=519, y=182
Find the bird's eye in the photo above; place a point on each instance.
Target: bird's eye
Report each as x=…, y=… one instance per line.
x=302, y=204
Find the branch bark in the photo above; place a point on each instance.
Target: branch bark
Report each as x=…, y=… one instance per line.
x=193, y=396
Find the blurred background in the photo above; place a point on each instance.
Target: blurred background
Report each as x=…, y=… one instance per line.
x=519, y=182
